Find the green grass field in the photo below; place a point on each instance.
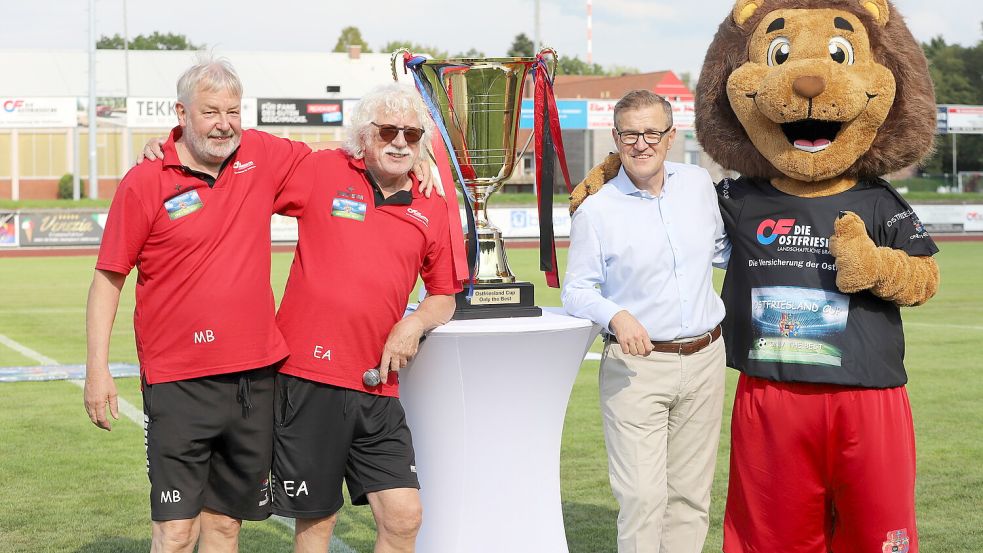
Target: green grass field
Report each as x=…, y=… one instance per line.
x=69, y=487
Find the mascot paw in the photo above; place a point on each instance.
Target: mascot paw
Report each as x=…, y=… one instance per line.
x=855, y=253
x=594, y=181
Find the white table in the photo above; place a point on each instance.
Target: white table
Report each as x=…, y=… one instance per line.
x=485, y=400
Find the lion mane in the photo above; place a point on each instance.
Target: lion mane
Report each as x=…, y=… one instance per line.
x=906, y=136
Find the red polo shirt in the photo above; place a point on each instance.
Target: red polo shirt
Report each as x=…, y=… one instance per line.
x=204, y=305
x=355, y=267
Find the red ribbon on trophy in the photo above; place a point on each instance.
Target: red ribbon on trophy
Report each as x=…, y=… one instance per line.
x=549, y=141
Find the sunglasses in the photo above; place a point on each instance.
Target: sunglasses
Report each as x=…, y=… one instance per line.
x=389, y=133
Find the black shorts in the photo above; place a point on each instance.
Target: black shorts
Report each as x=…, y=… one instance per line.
x=210, y=444
x=325, y=434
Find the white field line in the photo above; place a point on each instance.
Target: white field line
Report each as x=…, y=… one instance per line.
x=136, y=415
x=960, y=327
x=26, y=351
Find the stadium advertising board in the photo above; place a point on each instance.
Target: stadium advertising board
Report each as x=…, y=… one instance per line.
x=34, y=113
x=61, y=228
x=283, y=229
x=8, y=229
x=159, y=113
x=940, y=218
x=957, y=119
x=572, y=114
x=523, y=222
x=310, y=113
x=600, y=114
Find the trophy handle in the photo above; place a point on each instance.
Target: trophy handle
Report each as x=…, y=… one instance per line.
x=397, y=55
x=556, y=59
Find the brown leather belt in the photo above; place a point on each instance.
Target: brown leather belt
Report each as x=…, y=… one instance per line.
x=685, y=346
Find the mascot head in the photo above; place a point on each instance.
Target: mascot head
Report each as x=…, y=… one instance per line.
x=815, y=89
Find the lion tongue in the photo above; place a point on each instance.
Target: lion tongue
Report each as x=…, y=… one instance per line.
x=811, y=145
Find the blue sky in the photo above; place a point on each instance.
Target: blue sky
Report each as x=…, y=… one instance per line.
x=648, y=35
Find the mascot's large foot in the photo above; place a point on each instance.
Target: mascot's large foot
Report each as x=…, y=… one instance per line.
x=888, y=273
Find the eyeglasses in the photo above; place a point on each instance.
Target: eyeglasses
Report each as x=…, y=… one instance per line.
x=652, y=138
x=389, y=133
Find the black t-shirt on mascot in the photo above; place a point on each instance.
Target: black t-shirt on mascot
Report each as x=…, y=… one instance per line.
x=802, y=328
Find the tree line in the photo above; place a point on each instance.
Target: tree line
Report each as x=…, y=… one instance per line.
x=958, y=74
x=957, y=71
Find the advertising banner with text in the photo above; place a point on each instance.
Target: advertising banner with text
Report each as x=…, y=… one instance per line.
x=310, y=113
x=34, y=113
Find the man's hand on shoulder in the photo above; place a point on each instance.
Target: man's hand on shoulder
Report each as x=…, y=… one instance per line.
x=427, y=174
x=631, y=335
x=100, y=389
x=153, y=150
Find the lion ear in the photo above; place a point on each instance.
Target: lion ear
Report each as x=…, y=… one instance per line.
x=744, y=9
x=878, y=9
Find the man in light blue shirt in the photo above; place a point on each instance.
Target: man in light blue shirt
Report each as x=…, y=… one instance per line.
x=640, y=265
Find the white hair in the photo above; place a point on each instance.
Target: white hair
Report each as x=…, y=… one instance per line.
x=209, y=74
x=389, y=99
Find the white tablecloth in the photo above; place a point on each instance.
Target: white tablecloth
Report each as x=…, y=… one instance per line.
x=485, y=400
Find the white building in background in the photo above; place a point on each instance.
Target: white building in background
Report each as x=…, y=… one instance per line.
x=44, y=95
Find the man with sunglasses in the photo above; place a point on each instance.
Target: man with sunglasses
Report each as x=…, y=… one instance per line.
x=365, y=235
x=640, y=265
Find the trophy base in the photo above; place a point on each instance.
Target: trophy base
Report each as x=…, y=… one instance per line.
x=498, y=301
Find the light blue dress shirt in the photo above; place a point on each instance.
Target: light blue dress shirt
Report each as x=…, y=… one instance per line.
x=652, y=256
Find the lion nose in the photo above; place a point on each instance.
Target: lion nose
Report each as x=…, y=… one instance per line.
x=809, y=86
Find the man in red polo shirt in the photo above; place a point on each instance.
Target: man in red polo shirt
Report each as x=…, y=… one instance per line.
x=365, y=235
x=196, y=225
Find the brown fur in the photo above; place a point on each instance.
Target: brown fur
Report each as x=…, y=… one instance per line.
x=890, y=274
x=905, y=138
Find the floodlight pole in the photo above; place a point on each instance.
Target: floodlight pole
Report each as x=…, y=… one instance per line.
x=93, y=142
x=955, y=173
x=590, y=34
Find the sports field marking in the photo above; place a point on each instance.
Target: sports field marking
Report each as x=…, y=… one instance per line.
x=136, y=415
x=938, y=325
x=26, y=351
x=45, y=310
x=125, y=407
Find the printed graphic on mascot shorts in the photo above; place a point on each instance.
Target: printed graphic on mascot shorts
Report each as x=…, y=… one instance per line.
x=897, y=542
x=348, y=209
x=798, y=325
x=183, y=204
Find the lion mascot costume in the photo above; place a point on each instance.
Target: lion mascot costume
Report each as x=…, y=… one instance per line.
x=812, y=101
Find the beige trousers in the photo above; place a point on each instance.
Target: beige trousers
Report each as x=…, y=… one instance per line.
x=661, y=427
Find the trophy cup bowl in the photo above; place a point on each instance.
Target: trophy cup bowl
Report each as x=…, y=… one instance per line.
x=480, y=101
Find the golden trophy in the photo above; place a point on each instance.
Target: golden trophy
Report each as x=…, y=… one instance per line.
x=479, y=101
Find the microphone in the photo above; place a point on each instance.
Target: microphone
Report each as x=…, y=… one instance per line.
x=372, y=378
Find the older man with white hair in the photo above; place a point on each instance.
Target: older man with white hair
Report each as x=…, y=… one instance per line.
x=365, y=235
x=196, y=226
